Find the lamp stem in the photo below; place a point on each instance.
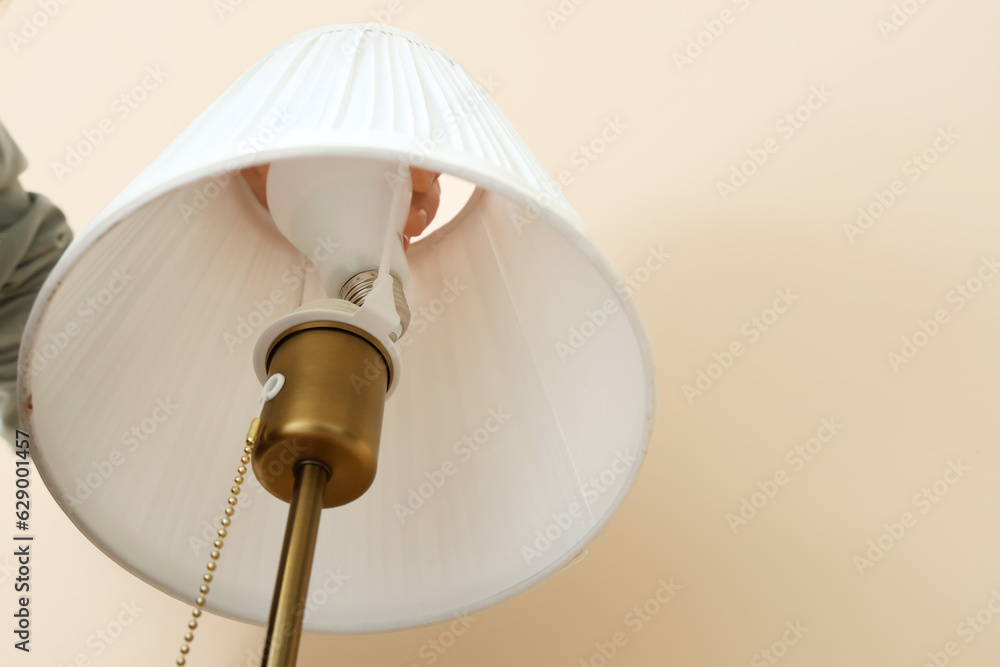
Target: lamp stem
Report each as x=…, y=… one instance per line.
x=284, y=624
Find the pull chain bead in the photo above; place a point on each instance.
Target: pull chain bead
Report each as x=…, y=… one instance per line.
x=216, y=552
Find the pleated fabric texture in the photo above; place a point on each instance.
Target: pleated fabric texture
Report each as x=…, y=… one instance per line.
x=523, y=411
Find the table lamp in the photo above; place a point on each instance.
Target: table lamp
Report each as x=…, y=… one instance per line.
x=495, y=375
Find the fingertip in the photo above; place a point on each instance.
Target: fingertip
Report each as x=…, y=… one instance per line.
x=414, y=223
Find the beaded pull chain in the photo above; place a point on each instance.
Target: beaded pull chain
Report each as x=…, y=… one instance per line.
x=223, y=531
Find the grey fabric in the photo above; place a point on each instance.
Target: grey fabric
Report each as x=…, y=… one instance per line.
x=33, y=235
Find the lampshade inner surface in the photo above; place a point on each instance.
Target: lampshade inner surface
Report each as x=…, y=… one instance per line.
x=517, y=426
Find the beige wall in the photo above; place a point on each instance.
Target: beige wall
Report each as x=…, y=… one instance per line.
x=887, y=96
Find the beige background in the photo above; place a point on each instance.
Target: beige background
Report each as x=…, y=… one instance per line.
x=655, y=185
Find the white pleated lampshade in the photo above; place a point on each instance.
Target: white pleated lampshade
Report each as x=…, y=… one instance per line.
x=518, y=425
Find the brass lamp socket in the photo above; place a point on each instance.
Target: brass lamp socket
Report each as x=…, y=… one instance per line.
x=329, y=410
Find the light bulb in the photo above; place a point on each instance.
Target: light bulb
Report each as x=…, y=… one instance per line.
x=349, y=203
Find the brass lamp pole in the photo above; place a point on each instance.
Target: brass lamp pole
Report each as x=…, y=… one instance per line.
x=284, y=624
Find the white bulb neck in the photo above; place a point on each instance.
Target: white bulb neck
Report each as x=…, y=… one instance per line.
x=357, y=206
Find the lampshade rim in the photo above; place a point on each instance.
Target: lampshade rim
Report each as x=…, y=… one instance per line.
x=482, y=174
